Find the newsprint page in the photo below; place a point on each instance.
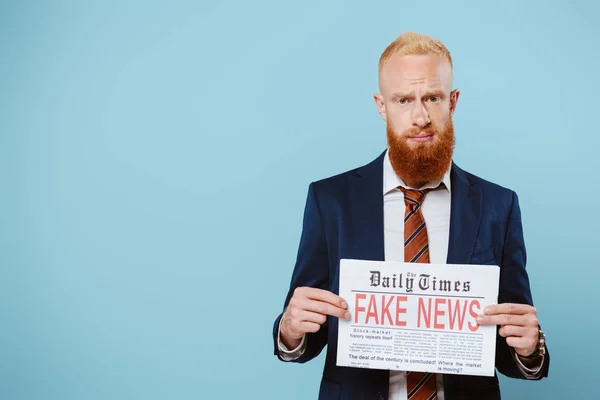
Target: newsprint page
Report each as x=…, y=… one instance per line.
x=417, y=317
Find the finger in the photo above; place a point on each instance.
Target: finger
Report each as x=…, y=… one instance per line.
x=512, y=330
x=321, y=307
x=503, y=319
x=523, y=343
x=309, y=316
x=509, y=308
x=309, y=327
x=296, y=328
x=324, y=296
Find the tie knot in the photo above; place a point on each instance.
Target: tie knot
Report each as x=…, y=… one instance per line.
x=413, y=198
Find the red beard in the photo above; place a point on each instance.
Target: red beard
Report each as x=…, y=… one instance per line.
x=421, y=163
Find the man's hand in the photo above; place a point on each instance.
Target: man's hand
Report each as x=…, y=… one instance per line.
x=306, y=311
x=518, y=324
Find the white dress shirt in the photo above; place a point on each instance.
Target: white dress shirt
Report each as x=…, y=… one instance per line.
x=436, y=212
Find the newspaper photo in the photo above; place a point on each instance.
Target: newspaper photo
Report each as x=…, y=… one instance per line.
x=417, y=317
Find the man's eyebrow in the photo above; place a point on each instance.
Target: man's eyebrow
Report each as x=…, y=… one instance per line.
x=402, y=94
x=428, y=92
x=436, y=91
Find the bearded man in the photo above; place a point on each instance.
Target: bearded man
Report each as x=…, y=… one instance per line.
x=373, y=213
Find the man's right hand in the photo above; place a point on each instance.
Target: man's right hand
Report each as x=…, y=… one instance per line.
x=307, y=310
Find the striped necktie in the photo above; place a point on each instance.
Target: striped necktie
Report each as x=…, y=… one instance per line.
x=420, y=385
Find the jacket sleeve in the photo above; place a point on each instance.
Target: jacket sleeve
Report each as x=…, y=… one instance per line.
x=311, y=269
x=514, y=288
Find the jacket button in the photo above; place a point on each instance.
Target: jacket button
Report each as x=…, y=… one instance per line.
x=381, y=396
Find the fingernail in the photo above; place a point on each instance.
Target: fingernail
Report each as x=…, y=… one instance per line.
x=344, y=304
x=487, y=310
x=347, y=316
x=479, y=319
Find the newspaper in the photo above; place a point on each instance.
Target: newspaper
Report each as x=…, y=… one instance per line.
x=417, y=317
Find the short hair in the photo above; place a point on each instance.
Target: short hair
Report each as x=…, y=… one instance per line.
x=411, y=43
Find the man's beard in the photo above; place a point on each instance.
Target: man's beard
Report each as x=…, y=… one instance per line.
x=421, y=163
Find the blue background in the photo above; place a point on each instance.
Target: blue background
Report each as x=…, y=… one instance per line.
x=155, y=158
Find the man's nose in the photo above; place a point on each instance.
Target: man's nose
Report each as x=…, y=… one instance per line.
x=420, y=116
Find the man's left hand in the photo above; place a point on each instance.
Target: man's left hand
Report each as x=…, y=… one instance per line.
x=518, y=324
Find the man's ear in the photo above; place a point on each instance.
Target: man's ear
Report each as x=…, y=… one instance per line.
x=380, y=105
x=454, y=100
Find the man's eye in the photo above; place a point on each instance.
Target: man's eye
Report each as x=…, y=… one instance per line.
x=402, y=101
x=433, y=99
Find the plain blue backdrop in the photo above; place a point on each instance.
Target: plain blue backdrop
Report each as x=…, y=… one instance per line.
x=155, y=158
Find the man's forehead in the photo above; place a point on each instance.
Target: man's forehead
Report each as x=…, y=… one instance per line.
x=429, y=70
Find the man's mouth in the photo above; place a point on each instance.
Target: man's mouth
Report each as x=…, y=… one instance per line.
x=421, y=137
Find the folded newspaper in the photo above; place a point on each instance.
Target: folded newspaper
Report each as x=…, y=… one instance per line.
x=417, y=317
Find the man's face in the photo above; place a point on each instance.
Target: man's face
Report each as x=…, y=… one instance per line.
x=416, y=92
x=417, y=103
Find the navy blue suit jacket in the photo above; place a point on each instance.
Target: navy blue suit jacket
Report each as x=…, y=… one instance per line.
x=343, y=218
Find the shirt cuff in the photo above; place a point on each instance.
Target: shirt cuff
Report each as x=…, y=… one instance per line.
x=534, y=369
x=287, y=354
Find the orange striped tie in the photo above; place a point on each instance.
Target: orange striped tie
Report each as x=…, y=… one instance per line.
x=420, y=385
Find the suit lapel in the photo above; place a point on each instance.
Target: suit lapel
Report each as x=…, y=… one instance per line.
x=366, y=212
x=465, y=216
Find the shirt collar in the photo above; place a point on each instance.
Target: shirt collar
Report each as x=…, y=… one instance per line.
x=391, y=181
